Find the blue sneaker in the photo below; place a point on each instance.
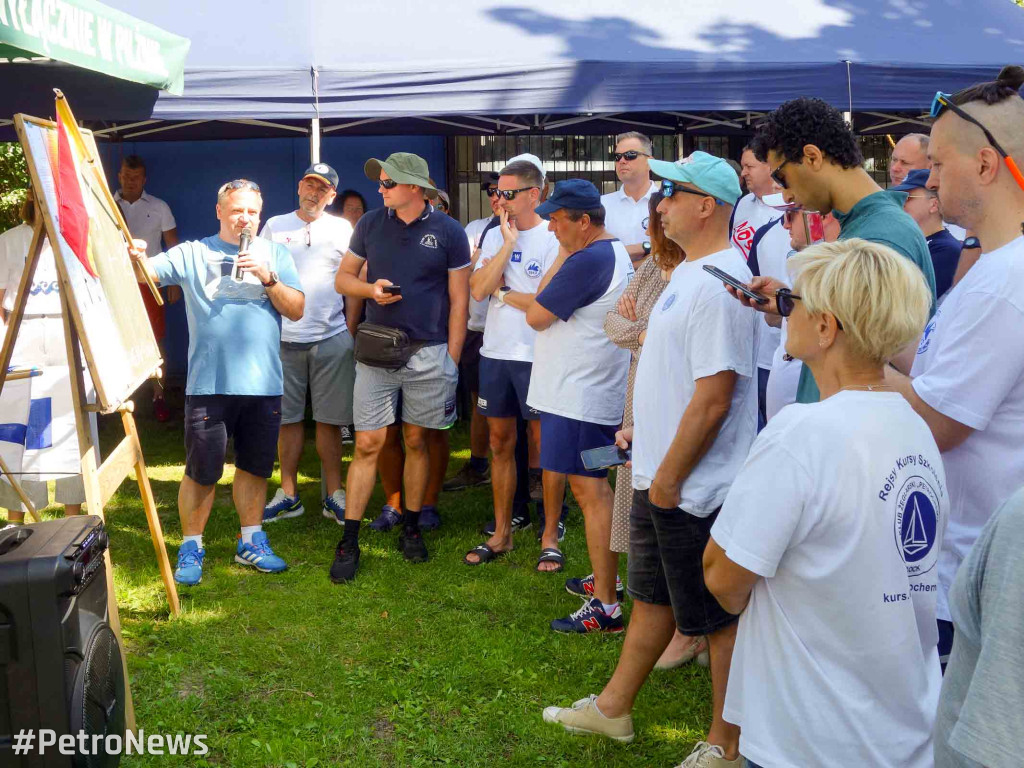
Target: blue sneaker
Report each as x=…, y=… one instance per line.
x=585, y=587
x=190, y=564
x=388, y=518
x=430, y=520
x=259, y=554
x=590, y=618
x=334, y=507
x=282, y=506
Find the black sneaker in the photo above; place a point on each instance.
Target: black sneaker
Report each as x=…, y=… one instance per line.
x=346, y=562
x=536, y=486
x=520, y=522
x=468, y=477
x=412, y=546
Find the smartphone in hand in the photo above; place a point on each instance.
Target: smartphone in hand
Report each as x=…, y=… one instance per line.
x=394, y=290
x=604, y=457
x=728, y=279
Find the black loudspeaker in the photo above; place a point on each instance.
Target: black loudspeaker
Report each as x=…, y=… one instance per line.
x=60, y=662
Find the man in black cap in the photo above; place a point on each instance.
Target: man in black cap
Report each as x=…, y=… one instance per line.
x=316, y=351
x=417, y=279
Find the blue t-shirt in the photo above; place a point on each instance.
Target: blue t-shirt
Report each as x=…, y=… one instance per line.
x=945, y=250
x=234, y=344
x=582, y=280
x=417, y=257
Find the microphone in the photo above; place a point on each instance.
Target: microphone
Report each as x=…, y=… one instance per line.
x=244, y=241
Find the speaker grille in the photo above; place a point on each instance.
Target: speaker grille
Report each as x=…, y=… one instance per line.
x=97, y=705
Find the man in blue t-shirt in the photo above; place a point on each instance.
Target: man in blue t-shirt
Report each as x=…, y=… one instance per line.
x=234, y=302
x=417, y=277
x=923, y=206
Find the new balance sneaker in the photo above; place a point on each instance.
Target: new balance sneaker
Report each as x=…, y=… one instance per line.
x=585, y=717
x=190, y=564
x=346, y=562
x=590, y=618
x=430, y=519
x=259, y=555
x=584, y=588
x=467, y=477
x=282, y=506
x=412, y=546
x=334, y=507
x=388, y=518
x=706, y=755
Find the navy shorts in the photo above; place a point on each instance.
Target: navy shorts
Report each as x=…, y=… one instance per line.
x=504, y=385
x=563, y=439
x=253, y=421
x=666, y=565
x=469, y=363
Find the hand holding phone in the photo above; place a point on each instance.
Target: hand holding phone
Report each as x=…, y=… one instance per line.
x=728, y=279
x=394, y=290
x=604, y=457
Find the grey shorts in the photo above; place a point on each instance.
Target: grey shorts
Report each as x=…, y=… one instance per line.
x=68, y=490
x=327, y=369
x=427, y=384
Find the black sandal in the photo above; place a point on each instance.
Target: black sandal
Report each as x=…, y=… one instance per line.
x=551, y=555
x=484, y=552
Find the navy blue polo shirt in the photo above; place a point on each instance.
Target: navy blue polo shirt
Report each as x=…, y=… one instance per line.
x=417, y=257
x=945, y=250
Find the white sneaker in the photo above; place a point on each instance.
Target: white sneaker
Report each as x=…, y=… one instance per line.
x=281, y=507
x=334, y=507
x=706, y=755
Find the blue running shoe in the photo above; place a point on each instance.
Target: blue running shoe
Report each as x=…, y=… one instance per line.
x=388, y=518
x=590, y=618
x=334, y=507
x=190, y=564
x=282, y=506
x=585, y=587
x=259, y=554
x=430, y=520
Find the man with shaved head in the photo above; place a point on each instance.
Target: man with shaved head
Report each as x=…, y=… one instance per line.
x=968, y=379
x=909, y=154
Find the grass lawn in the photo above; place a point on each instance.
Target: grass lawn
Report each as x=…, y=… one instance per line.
x=431, y=664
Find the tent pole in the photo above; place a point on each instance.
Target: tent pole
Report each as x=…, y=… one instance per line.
x=314, y=141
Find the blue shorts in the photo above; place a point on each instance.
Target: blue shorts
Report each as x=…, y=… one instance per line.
x=504, y=385
x=562, y=439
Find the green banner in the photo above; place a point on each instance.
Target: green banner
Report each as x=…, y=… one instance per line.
x=91, y=35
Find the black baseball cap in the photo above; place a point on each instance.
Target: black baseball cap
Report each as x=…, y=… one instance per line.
x=489, y=180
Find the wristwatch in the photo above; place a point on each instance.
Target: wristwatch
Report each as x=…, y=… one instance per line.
x=272, y=282
x=646, y=245
x=501, y=292
x=972, y=242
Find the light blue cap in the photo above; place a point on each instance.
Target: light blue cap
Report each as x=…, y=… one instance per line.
x=708, y=173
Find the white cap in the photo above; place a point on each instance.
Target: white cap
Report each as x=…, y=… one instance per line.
x=530, y=159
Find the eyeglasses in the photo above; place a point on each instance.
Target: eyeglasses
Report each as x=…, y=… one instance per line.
x=631, y=155
x=669, y=188
x=492, y=192
x=441, y=205
x=239, y=184
x=779, y=179
x=309, y=240
x=387, y=183
x=785, y=301
x=943, y=101
x=918, y=197
x=510, y=194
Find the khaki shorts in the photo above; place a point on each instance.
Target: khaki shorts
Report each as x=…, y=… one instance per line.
x=427, y=384
x=327, y=369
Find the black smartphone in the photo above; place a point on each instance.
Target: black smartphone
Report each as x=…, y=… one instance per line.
x=728, y=279
x=604, y=457
x=394, y=290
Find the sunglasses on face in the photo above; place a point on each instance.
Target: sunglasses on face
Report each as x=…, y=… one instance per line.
x=944, y=101
x=510, y=194
x=779, y=179
x=492, y=192
x=631, y=155
x=669, y=188
x=388, y=183
x=786, y=300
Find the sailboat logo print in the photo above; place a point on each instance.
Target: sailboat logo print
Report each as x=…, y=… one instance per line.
x=914, y=538
x=916, y=524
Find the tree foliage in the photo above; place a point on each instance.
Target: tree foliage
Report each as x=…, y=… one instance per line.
x=13, y=184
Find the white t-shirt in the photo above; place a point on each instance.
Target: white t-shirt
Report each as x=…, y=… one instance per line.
x=773, y=249
x=317, y=248
x=577, y=371
x=784, y=379
x=44, y=293
x=626, y=218
x=970, y=367
x=695, y=330
x=507, y=335
x=477, y=309
x=840, y=509
x=750, y=215
x=147, y=218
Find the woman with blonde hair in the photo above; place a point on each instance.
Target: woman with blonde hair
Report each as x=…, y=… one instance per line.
x=827, y=542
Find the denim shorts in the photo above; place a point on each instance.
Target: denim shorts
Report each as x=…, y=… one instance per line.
x=666, y=551
x=253, y=421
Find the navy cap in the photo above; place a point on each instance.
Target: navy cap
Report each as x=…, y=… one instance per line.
x=489, y=180
x=324, y=172
x=574, y=194
x=916, y=179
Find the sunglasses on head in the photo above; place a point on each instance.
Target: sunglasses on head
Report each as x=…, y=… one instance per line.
x=669, y=188
x=387, y=183
x=786, y=300
x=944, y=101
x=781, y=181
x=510, y=194
x=631, y=155
x=240, y=184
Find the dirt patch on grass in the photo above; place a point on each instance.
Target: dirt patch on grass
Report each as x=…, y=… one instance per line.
x=383, y=730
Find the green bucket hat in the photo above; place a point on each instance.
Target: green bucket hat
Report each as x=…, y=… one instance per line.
x=403, y=167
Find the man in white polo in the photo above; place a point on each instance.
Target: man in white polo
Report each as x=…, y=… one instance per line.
x=316, y=350
x=626, y=210
x=751, y=212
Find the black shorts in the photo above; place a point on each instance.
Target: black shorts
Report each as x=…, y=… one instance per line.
x=666, y=551
x=469, y=364
x=253, y=421
x=504, y=385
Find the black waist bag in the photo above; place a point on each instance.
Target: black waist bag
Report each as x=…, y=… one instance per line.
x=381, y=346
